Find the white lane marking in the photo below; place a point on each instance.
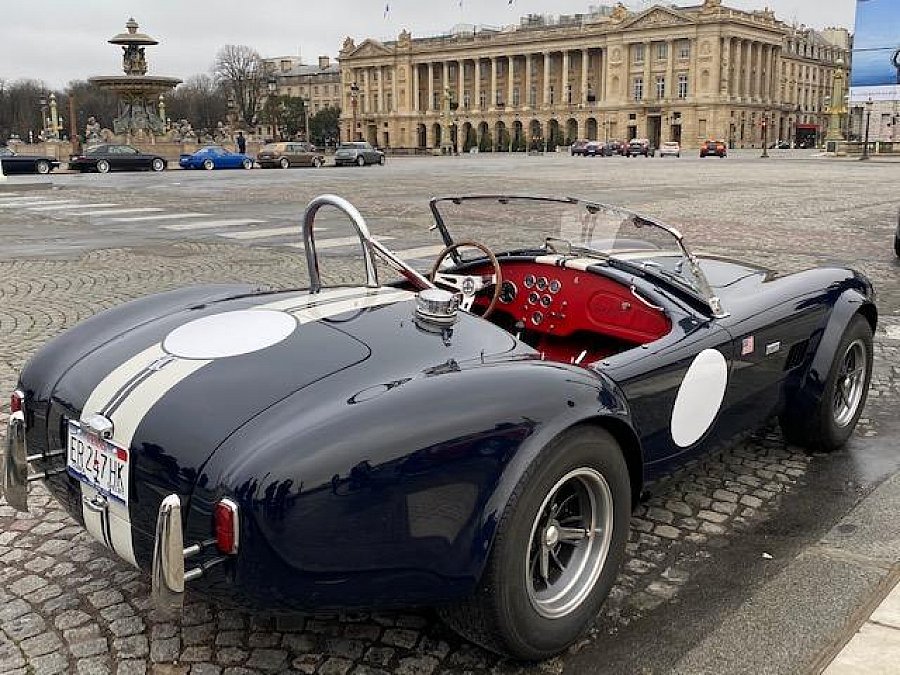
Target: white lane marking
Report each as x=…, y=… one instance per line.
x=40, y=202
x=699, y=397
x=67, y=207
x=163, y=216
x=210, y=224
x=113, y=212
x=892, y=332
x=336, y=242
x=296, y=230
x=420, y=252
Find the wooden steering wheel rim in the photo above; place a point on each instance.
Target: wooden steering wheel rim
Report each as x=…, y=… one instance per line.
x=498, y=272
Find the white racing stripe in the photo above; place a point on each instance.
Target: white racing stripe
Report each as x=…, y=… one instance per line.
x=132, y=389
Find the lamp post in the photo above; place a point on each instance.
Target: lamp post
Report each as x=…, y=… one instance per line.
x=869, y=104
x=272, y=85
x=43, y=103
x=306, y=120
x=354, y=102
x=765, y=136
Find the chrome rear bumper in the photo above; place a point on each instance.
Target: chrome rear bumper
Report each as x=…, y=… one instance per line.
x=14, y=469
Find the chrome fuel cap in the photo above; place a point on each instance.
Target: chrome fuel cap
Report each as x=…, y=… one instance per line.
x=437, y=306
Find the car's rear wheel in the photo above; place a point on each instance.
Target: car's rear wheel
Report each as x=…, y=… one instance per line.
x=317, y=162
x=247, y=163
x=382, y=160
x=838, y=410
x=208, y=164
x=360, y=161
x=284, y=163
x=557, y=551
x=102, y=166
x=42, y=166
x=157, y=164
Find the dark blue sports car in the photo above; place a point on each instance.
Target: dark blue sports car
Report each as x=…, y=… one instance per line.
x=215, y=157
x=474, y=439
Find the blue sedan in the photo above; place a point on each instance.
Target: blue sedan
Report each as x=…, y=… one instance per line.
x=215, y=157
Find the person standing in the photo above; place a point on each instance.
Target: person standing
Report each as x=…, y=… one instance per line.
x=241, y=143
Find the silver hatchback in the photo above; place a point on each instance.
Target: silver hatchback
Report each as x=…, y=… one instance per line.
x=359, y=153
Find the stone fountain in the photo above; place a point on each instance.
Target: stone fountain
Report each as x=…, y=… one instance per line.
x=140, y=95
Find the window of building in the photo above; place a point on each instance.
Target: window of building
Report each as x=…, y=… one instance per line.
x=569, y=94
x=389, y=101
x=701, y=128
x=552, y=95
x=315, y=91
x=662, y=51
x=482, y=99
x=467, y=99
x=637, y=52
x=515, y=99
x=660, y=86
x=683, y=86
x=532, y=97
x=684, y=49
x=498, y=97
x=375, y=102
x=435, y=101
x=638, y=89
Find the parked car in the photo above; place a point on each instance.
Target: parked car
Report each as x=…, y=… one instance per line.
x=780, y=145
x=593, y=149
x=284, y=155
x=13, y=162
x=109, y=157
x=670, y=149
x=359, y=153
x=578, y=147
x=640, y=146
x=714, y=149
x=475, y=439
x=616, y=148
x=897, y=237
x=215, y=157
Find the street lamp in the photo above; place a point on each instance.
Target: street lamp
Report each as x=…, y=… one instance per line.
x=306, y=120
x=765, y=135
x=43, y=103
x=272, y=85
x=354, y=101
x=869, y=104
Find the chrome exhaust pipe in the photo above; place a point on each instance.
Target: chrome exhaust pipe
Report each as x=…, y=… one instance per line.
x=168, y=558
x=14, y=469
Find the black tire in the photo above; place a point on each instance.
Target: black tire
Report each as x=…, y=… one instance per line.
x=501, y=615
x=157, y=164
x=317, y=163
x=285, y=163
x=42, y=166
x=897, y=245
x=360, y=161
x=382, y=160
x=102, y=166
x=208, y=164
x=247, y=163
x=823, y=430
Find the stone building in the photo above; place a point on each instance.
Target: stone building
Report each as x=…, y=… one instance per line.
x=684, y=74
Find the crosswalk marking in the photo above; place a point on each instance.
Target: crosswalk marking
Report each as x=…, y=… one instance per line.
x=296, y=230
x=7, y=197
x=43, y=202
x=420, y=252
x=112, y=212
x=65, y=207
x=209, y=224
x=336, y=242
x=163, y=216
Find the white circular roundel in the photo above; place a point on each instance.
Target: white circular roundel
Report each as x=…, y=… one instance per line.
x=699, y=397
x=229, y=334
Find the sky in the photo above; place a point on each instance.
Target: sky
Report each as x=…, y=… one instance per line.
x=61, y=40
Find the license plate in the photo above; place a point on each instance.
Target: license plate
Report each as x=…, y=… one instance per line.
x=97, y=462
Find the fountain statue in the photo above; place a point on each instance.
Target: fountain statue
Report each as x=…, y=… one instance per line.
x=140, y=95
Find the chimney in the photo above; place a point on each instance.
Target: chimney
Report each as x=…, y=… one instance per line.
x=324, y=62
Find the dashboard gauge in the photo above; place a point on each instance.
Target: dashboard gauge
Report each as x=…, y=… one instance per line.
x=508, y=292
x=546, y=301
x=541, y=283
x=537, y=318
x=555, y=286
x=534, y=298
x=529, y=281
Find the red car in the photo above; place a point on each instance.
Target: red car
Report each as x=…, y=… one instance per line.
x=715, y=148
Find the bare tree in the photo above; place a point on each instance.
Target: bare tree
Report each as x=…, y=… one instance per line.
x=201, y=100
x=242, y=70
x=20, y=108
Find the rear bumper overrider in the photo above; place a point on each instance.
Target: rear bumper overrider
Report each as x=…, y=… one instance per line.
x=14, y=469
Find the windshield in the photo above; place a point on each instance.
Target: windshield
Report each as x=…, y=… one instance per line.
x=570, y=227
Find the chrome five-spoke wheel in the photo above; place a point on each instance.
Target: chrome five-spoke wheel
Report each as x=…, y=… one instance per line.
x=570, y=540
x=851, y=378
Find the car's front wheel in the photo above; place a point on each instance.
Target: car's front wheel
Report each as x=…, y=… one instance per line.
x=360, y=161
x=42, y=167
x=208, y=164
x=285, y=163
x=557, y=551
x=382, y=160
x=157, y=164
x=317, y=162
x=247, y=163
x=838, y=410
x=102, y=166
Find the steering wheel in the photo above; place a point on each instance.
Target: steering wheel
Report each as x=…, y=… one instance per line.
x=469, y=286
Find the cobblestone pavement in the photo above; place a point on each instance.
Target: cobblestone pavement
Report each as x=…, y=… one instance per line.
x=67, y=606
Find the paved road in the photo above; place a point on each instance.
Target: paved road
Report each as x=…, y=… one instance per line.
x=696, y=566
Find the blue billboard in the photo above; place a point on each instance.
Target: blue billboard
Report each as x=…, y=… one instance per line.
x=876, y=51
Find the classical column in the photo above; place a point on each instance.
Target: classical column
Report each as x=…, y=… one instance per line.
x=382, y=104
x=477, y=94
x=604, y=75
x=460, y=97
x=649, y=87
x=367, y=92
x=738, y=64
x=511, y=81
x=395, y=99
x=430, y=104
x=564, y=80
x=526, y=95
x=671, y=87
x=445, y=84
x=546, y=100
x=492, y=100
x=585, y=63
x=414, y=94
x=748, y=72
x=771, y=75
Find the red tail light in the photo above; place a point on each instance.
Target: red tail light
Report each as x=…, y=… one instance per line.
x=227, y=526
x=16, y=401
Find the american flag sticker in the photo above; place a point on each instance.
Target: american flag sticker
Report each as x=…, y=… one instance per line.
x=748, y=344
